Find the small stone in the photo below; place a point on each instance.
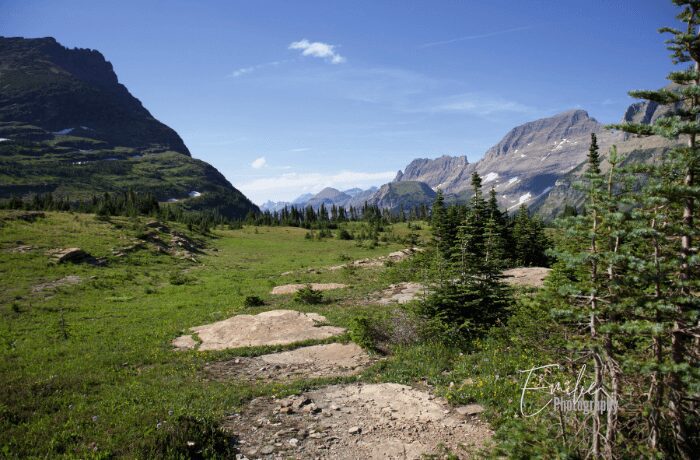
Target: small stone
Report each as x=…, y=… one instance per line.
x=294, y=442
x=355, y=430
x=286, y=410
x=470, y=409
x=267, y=450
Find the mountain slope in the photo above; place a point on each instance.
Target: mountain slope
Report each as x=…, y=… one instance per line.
x=70, y=128
x=408, y=194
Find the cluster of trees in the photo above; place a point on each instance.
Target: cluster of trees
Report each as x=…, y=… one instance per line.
x=630, y=270
x=472, y=244
x=481, y=227
x=127, y=203
x=623, y=294
x=325, y=217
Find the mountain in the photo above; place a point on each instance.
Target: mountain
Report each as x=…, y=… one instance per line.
x=524, y=165
x=302, y=199
x=273, y=206
x=436, y=173
x=72, y=129
x=408, y=194
x=328, y=197
x=538, y=163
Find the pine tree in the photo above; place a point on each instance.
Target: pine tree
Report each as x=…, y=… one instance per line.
x=668, y=215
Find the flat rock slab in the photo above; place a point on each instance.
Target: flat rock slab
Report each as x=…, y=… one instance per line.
x=275, y=327
x=292, y=288
x=526, y=276
x=376, y=421
x=329, y=360
x=51, y=285
x=401, y=293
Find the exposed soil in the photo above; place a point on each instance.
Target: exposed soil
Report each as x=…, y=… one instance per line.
x=329, y=360
x=396, y=256
x=292, y=288
x=275, y=327
x=400, y=293
x=378, y=421
x=526, y=276
x=51, y=285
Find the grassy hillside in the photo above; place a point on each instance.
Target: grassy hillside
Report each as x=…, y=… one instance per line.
x=80, y=167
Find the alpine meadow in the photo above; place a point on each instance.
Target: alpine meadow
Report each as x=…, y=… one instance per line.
x=262, y=283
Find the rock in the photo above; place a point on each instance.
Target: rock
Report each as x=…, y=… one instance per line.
x=469, y=409
x=267, y=450
x=301, y=402
x=293, y=442
x=68, y=255
x=355, y=430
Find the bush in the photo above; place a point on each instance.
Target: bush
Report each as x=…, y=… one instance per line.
x=362, y=332
x=344, y=235
x=308, y=296
x=253, y=301
x=190, y=437
x=179, y=279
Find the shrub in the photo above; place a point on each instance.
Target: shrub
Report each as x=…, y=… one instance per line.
x=362, y=332
x=253, y=301
x=190, y=437
x=179, y=279
x=344, y=235
x=308, y=296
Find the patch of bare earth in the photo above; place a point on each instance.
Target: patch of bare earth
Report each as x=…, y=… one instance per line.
x=51, y=285
x=376, y=421
x=275, y=327
x=526, y=276
x=400, y=293
x=329, y=360
x=396, y=256
x=292, y=288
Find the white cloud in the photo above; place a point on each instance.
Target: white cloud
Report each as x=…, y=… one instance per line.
x=317, y=49
x=259, y=163
x=477, y=104
x=288, y=186
x=246, y=70
x=475, y=37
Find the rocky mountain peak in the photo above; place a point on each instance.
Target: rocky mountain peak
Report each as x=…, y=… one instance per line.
x=63, y=90
x=565, y=125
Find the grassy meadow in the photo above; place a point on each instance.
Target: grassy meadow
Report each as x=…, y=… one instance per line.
x=87, y=369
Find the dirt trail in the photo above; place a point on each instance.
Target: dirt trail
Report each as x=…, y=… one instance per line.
x=329, y=360
x=275, y=327
x=377, y=421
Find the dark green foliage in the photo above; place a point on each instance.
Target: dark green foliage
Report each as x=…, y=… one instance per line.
x=343, y=234
x=178, y=279
x=308, y=295
x=190, y=438
x=253, y=301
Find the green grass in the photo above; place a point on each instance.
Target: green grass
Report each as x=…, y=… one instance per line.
x=88, y=370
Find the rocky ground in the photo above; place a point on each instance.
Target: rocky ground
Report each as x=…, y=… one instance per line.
x=348, y=421
x=292, y=288
x=328, y=360
x=376, y=421
x=526, y=276
x=275, y=327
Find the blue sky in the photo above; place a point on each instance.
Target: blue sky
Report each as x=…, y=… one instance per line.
x=285, y=97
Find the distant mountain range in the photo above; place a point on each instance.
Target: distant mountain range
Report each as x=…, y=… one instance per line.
x=329, y=196
x=67, y=126
x=535, y=164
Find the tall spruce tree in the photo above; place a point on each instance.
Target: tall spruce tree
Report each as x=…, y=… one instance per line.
x=674, y=191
